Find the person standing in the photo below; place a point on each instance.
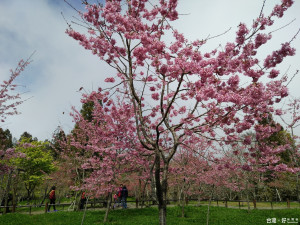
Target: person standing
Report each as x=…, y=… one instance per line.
x=52, y=199
x=120, y=194
x=124, y=197
x=82, y=200
x=115, y=200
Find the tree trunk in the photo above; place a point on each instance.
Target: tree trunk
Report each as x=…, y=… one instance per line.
x=161, y=189
x=28, y=194
x=45, y=195
x=209, y=204
x=108, y=207
x=162, y=214
x=14, y=197
x=183, y=198
x=83, y=217
x=298, y=187
x=247, y=196
x=77, y=201
x=2, y=190
x=6, y=195
x=278, y=194
x=248, y=202
x=143, y=194
x=207, y=215
x=182, y=206
x=138, y=194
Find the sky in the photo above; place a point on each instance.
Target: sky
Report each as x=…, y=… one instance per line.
x=60, y=66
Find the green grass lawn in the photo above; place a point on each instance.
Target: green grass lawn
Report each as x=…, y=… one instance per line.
x=194, y=215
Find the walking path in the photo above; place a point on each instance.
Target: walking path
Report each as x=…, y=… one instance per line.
x=41, y=210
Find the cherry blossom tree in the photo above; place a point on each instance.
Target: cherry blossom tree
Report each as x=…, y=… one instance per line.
x=264, y=160
x=198, y=170
x=8, y=106
x=177, y=90
x=188, y=169
x=9, y=101
x=108, y=140
x=291, y=119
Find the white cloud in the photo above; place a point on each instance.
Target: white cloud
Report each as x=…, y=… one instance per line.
x=59, y=69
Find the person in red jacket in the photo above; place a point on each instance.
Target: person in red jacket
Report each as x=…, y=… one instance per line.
x=52, y=198
x=82, y=200
x=120, y=194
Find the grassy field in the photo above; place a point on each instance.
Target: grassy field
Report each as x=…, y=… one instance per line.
x=194, y=215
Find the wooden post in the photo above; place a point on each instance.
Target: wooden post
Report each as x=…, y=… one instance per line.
x=136, y=203
x=30, y=210
x=239, y=204
x=271, y=205
x=288, y=203
x=217, y=202
x=46, y=207
x=254, y=203
x=226, y=205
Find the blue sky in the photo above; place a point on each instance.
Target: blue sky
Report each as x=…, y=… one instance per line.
x=61, y=66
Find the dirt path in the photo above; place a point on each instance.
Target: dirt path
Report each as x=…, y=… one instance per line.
x=41, y=210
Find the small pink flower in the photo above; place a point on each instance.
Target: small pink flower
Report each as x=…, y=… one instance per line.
x=152, y=88
x=273, y=73
x=155, y=96
x=182, y=110
x=109, y=80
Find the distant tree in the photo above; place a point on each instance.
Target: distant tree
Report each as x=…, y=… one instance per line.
x=5, y=139
x=55, y=146
x=280, y=137
x=293, y=112
x=36, y=164
x=68, y=154
x=26, y=135
x=87, y=110
x=6, y=152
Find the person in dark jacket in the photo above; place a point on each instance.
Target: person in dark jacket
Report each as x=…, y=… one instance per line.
x=124, y=197
x=52, y=198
